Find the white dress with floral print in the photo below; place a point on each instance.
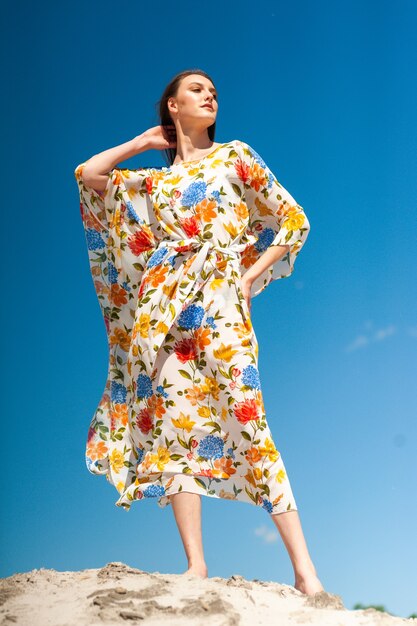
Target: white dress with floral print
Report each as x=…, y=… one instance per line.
x=182, y=409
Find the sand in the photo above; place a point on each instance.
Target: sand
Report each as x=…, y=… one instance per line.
x=119, y=594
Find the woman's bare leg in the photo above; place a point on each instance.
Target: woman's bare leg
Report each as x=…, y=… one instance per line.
x=289, y=527
x=187, y=512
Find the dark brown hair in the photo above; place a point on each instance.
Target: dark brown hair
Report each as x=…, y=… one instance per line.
x=164, y=116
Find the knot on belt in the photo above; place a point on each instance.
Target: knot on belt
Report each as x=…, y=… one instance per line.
x=203, y=249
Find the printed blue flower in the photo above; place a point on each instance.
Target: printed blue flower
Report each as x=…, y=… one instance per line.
x=162, y=391
x=266, y=237
x=211, y=447
x=172, y=260
x=267, y=505
x=144, y=386
x=216, y=195
x=153, y=491
x=231, y=453
x=126, y=286
x=195, y=193
x=258, y=159
x=210, y=321
x=94, y=239
x=132, y=213
x=112, y=273
x=141, y=454
x=191, y=317
x=118, y=392
x=157, y=257
x=250, y=377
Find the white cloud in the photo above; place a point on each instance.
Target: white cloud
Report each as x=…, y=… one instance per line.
x=268, y=535
x=364, y=340
x=359, y=342
x=384, y=332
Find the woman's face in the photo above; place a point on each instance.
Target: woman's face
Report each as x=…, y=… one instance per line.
x=195, y=102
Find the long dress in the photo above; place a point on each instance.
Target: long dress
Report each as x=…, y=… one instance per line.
x=182, y=408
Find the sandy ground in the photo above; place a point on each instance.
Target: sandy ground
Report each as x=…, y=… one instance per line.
x=119, y=594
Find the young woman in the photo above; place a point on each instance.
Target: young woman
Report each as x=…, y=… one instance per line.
x=176, y=253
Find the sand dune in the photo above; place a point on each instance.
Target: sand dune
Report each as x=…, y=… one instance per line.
x=119, y=594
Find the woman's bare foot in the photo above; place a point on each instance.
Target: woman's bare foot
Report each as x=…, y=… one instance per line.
x=308, y=584
x=197, y=570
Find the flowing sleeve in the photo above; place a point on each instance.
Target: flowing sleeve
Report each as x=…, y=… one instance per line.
x=120, y=234
x=275, y=218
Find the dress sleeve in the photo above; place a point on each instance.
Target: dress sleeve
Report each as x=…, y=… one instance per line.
x=275, y=218
x=119, y=233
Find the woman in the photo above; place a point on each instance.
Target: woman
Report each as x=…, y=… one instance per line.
x=176, y=253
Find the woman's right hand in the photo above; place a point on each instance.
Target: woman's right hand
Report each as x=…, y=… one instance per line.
x=160, y=137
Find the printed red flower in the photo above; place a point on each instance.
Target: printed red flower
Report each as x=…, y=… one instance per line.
x=176, y=193
x=149, y=184
x=190, y=226
x=144, y=421
x=186, y=350
x=139, y=242
x=246, y=411
x=242, y=170
x=206, y=472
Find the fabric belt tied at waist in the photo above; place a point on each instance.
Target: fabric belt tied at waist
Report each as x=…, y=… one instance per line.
x=185, y=282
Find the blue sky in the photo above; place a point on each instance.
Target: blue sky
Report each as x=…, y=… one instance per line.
x=326, y=93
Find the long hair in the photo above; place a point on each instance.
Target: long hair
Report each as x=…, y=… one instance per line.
x=165, y=118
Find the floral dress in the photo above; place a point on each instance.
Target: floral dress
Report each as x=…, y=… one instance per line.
x=182, y=408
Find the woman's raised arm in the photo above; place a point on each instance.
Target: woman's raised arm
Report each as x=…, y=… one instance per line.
x=96, y=169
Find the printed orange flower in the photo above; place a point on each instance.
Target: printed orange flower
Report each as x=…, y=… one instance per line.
x=120, y=338
x=156, y=405
x=253, y=456
x=225, y=465
x=91, y=221
x=97, y=450
x=241, y=210
x=206, y=210
x=202, y=337
x=120, y=413
x=250, y=477
x=101, y=287
x=194, y=395
x=157, y=275
x=258, y=177
x=249, y=256
x=118, y=295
